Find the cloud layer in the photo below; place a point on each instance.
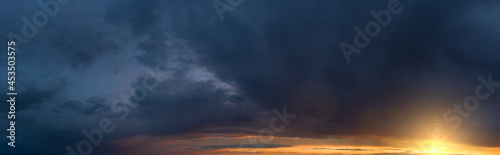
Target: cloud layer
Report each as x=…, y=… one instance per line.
x=227, y=76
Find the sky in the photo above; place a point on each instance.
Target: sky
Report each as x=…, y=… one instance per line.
x=203, y=77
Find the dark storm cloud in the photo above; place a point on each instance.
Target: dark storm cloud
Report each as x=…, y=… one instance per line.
x=273, y=53
x=92, y=106
x=83, y=45
x=259, y=56
x=273, y=56
x=141, y=16
x=180, y=105
x=149, y=19
x=81, y=35
x=33, y=97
